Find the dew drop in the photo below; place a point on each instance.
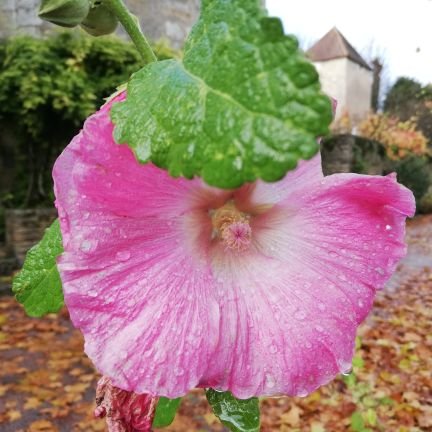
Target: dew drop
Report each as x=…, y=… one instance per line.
x=269, y=381
x=123, y=255
x=300, y=315
x=380, y=271
x=92, y=293
x=179, y=371
x=273, y=349
x=86, y=246
x=302, y=393
x=388, y=227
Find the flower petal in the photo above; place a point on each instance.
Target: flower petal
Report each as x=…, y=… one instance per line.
x=133, y=283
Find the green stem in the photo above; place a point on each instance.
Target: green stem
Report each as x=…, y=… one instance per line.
x=119, y=9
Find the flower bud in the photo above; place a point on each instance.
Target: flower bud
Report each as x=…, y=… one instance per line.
x=100, y=21
x=65, y=13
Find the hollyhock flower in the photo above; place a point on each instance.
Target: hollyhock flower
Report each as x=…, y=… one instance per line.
x=259, y=290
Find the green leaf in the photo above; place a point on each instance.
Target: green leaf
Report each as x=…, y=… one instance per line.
x=358, y=342
x=237, y=414
x=38, y=286
x=165, y=412
x=244, y=103
x=371, y=417
x=358, y=362
x=350, y=380
x=357, y=422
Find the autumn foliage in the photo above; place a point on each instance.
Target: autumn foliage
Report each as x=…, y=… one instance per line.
x=400, y=138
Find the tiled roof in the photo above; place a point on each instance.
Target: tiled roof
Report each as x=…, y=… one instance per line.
x=334, y=45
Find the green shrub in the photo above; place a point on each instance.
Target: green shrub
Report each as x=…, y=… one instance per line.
x=415, y=174
x=47, y=88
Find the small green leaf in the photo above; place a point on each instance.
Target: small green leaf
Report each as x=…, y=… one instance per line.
x=237, y=414
x=358, y=342
x=165, y=412
x=358, y=362
x=244, y=103
x=386, y=401
x=371, y=417
x=350, y=380
x=357, y=422
x=38, y=286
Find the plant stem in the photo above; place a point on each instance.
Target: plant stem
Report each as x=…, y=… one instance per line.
x=119, y=9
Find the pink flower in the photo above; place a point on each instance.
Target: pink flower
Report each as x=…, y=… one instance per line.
x=259, y=290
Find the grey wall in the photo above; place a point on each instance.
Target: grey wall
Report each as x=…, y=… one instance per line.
x=169, y=19
x=160, y=19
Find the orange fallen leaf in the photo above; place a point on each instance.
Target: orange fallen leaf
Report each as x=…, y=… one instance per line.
x=42, y=426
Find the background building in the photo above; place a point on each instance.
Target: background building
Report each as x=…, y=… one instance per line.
x=344, y=75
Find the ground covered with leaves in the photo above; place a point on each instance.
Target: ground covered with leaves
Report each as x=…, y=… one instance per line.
x=47, y=384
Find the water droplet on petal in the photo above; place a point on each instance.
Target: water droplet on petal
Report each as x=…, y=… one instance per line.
x=86, y=246
x=273, y=349
x=300, y=315
x=179, y=371
x=123, y=255
x=269, y=381
x=380, y=271
x=92, y=293
x=302, y=393
x=388, y=227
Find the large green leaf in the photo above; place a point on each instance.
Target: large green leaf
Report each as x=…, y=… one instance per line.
x=165, y=412
x=237, y=414
x=38, y=286
x=244, y=103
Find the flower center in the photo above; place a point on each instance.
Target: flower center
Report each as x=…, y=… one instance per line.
x=231, y=226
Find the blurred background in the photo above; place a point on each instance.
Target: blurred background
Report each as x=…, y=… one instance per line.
x=374, y=58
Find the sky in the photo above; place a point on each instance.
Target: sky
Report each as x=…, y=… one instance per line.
x=400, y=31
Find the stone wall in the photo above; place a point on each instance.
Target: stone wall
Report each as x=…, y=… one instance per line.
x=20, y=16
x=166, y=19
x=350, y=153
x=337, y=154
x=24, y=228
x=160, y=19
